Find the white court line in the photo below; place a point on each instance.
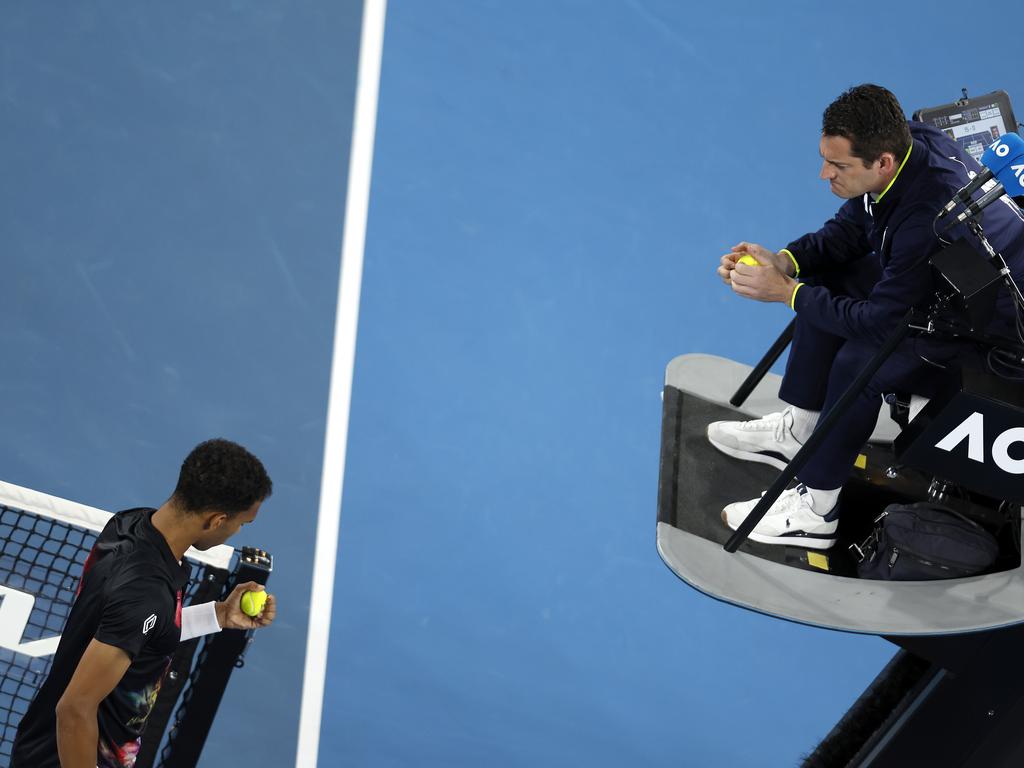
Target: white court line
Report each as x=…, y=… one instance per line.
x=357, y=203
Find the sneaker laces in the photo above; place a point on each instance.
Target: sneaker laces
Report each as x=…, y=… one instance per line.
x=791, y=499
x=779, y=421
x=804, y=495
x=785, y=422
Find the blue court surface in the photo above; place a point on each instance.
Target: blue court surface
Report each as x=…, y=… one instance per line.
x=552, y=185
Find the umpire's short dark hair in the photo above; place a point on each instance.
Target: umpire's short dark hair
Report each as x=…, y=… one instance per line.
x=871, y=117
x=222, y=475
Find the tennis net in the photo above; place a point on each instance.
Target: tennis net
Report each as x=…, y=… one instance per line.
x=44, y=542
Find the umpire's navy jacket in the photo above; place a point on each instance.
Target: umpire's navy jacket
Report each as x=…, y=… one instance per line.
x=897, y=228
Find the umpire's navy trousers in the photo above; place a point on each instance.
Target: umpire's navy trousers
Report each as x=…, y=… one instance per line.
x=821, y=366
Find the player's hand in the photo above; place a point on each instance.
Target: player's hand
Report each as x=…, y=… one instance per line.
x=231, y=616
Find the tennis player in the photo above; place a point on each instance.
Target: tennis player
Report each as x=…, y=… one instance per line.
x=127, y=619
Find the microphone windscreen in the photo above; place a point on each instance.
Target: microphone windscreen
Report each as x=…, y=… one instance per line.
x=1011, y=176
x=1009, y=148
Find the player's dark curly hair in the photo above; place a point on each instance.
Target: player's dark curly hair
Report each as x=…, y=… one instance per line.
x=219, y=474
x=871, y=117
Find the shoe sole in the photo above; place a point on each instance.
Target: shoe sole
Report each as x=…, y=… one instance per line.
x=807, y=540
x=760, y=458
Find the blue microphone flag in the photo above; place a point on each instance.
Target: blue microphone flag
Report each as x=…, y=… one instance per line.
x=1005, y=158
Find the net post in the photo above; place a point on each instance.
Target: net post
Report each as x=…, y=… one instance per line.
x=220, y=655
x=210, y=588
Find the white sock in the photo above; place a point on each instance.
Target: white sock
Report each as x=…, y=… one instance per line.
x=824, y=501
x=803, y=422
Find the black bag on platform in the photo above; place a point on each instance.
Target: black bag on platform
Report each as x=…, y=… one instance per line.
x=922, y=542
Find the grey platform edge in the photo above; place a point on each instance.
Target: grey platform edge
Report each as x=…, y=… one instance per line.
x=906, y=608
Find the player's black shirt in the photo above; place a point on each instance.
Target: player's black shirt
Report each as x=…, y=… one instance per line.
x=129, y=597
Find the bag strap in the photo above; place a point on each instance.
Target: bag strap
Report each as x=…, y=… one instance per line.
x=930, y=505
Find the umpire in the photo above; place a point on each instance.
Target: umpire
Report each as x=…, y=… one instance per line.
x=870, y=263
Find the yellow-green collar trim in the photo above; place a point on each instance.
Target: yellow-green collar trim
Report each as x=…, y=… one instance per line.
x=889, y=186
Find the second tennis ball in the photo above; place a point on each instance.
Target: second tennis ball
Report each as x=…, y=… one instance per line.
x=747, y=259
x=253, y=602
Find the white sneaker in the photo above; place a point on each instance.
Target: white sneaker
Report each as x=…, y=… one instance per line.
x=769, y=440
x=790, y=520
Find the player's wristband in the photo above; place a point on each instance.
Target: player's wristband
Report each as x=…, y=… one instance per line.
x=792, y=299
x=792, y=258
x=199, y=620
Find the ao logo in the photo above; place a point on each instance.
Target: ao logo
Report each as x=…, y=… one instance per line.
x=15, y=609
x=972, y=429
x=1002, y=149
x=1017, y=171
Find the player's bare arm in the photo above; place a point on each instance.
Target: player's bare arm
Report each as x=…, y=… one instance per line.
x=100, y=669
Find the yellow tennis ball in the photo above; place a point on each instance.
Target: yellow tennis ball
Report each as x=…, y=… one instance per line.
x=253, y=602
x=747, y=259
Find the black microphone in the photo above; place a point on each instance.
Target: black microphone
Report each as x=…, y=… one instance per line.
x=1005, y=150
x=977, y=206
x=965, y=192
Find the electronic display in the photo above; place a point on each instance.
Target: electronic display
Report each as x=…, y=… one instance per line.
x=974, y=123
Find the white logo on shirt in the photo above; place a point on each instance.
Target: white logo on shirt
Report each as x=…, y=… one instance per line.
x=148, y=624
